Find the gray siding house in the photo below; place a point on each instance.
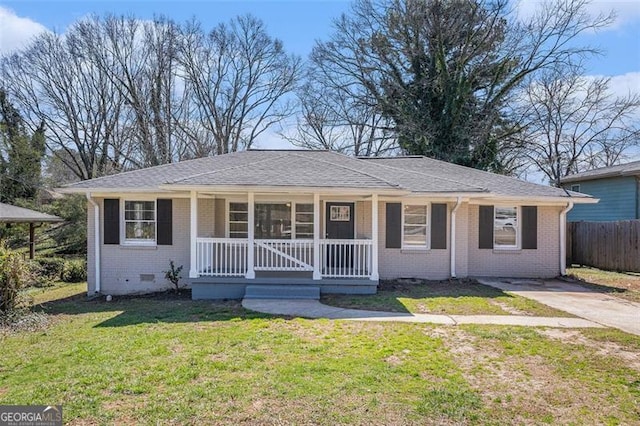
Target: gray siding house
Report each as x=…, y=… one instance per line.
x=617, y=188
x=318, y=219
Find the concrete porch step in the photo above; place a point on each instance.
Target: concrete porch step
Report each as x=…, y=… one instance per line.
x=282, y=292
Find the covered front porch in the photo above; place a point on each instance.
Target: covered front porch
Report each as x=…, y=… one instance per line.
x=322, y=240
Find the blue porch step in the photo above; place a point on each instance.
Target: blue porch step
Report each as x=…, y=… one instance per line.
x=282, y=292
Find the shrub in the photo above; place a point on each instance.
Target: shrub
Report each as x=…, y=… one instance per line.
x=13, y=276
x=49, y=268
x=173, y=275
x=74, y=271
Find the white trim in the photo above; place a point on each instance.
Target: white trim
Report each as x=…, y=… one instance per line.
x=317, y=275
x=374, y=238
x=518, y=245
x=563, y=238
x=96, y=241
x=193, y=234
x=251, y=228
x=427, y=245
x=124, y=241
x=452, y=237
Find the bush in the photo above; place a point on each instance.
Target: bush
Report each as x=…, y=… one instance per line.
x=74, y=271
x=49, y=268
x=13, y=276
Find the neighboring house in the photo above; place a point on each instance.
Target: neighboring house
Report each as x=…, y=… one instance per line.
x=317, y=218
x=617, y=188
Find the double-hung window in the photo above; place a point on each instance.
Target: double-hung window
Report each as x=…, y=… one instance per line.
x=140, y=221
x=304, y=221
x=505, y=227
x=415, y=226
x=238, y=220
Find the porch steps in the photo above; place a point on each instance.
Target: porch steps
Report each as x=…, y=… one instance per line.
x=282, y=292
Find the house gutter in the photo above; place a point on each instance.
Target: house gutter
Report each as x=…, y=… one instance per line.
x=453, y=236
x=563, y=238
x=96, y=239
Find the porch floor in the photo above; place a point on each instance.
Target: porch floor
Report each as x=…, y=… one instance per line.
x=235, y=287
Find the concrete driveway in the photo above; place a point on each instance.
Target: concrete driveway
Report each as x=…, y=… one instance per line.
x=575, y=299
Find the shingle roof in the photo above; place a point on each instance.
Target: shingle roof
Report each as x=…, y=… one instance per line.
x=322, y=169
x=628, y=169
x=493, y=183
x=14, y=214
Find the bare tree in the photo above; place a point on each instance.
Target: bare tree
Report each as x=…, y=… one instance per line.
x=54, y=82
x=443, y=71
x=139, y=57
x=239, y=78
x=329, y=120
x=575, y=123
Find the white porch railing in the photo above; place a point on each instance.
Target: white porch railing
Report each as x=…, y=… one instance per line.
x=284, y=255
x=338, y=258
x=345, y=258
x=226, y=257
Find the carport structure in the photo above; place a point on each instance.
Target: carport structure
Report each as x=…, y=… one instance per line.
x=15, y=214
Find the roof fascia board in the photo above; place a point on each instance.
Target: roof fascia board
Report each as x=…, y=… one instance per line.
x=539, y=201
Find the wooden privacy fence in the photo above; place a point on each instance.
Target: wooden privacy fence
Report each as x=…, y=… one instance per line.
x=613, y=246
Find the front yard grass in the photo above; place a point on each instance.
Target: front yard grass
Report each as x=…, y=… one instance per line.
x=164, y=359
x=453, y=297
x=625, y=285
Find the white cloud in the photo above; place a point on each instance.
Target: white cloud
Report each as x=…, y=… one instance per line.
x=16, y=31
x=622, y=84
x=626, y=10
x=270, y=139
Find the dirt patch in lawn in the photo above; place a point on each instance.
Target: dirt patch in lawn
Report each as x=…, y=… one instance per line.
x=519, y=387
x=604, y=348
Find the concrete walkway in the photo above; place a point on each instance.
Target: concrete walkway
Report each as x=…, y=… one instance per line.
x=315, y=309
x=575, y=299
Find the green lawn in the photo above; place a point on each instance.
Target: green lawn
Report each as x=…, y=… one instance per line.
x=461, y=297
x=166, y=359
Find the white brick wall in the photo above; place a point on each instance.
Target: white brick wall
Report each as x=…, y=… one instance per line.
x=122, y=266
x=398, y=263
x=543, y=262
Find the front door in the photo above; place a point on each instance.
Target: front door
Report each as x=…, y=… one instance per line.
x=339, y=225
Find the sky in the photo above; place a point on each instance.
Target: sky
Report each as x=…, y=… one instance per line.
x=299, y=23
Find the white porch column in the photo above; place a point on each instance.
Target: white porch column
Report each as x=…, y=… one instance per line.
x=374, y=238
x=316, y=237
x=193, y=235
x=251, y=273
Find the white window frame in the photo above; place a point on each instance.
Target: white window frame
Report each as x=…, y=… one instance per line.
x=294, y=220
x=228, y=218
x=292, y=203
x=427, y=245
x=123, y=223
x=518, y=227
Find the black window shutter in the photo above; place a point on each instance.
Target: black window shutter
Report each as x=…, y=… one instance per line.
x=165, y=222
x=111, y=221
x=394, y=225
x=438, y=226
x=530, y=227
x=485, y=227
